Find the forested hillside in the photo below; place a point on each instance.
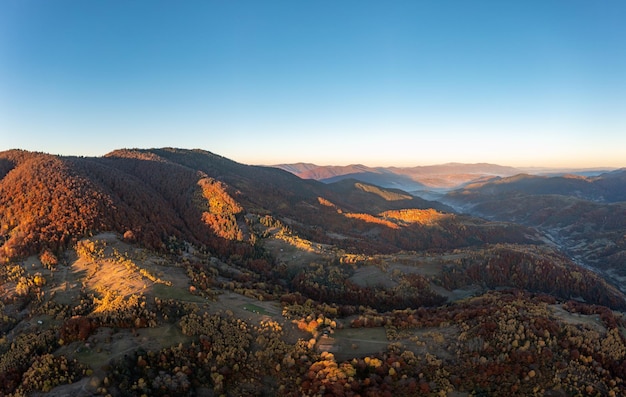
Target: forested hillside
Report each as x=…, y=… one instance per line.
x=180, y=272
x=585, y=216
x=155, y=196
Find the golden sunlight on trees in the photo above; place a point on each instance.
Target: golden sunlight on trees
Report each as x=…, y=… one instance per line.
x=372, y=219
x=48, y=259
x=220, y=210
x=425, y=217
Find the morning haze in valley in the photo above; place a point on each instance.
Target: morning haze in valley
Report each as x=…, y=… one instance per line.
x=356, y=198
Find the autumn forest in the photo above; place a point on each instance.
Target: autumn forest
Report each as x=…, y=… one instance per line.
x=167, y=272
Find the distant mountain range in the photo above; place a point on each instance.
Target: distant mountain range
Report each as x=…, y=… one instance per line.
x=441, y=177
x=607, y=187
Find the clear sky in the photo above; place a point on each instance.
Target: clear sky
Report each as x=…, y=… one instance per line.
x=522, y=83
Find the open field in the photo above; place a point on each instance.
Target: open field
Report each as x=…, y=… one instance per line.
x=353, y=342
x=592, y=321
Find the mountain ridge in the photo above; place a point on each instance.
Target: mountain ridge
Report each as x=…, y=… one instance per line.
x=444, y=176
x=198, y=196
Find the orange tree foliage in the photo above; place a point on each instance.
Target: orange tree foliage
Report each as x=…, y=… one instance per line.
x=43, y=203
x=47, y=202
x=372, y=219
x=221, y=210
x=427, y=216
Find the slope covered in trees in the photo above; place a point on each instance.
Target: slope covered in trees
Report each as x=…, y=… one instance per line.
x=48, y=202
x=169, y=271
x=584, y=216
x=44, y=203
x=155, y=196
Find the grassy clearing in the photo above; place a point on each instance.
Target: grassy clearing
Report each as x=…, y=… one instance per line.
x=592, y=320
x=106, y=345
x=371, y=276
x=166, y=292
x=293, y=255
x=359, y=342
x=255, y=309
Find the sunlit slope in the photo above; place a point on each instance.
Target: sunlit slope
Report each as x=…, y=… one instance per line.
x=163, y=197
x=49, y=202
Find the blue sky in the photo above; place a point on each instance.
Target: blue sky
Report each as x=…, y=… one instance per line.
x=522, y=83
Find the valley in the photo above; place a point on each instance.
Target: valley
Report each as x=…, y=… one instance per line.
x=172, y=271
